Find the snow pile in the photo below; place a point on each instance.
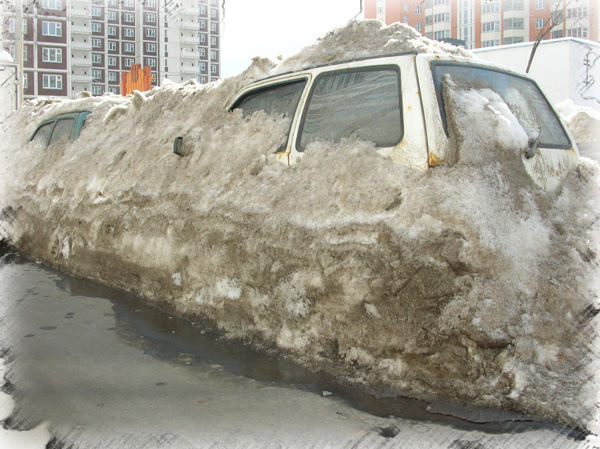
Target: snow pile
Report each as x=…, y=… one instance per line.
x=365, y=38
x=584, y=124
x=467, y=282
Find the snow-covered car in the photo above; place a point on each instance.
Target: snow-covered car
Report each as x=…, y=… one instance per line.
x=61, y=126
x=398, y=102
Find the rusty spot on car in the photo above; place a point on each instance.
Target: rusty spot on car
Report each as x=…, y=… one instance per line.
x=434, y=160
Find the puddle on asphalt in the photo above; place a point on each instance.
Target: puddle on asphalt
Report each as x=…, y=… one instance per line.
x=175, y=340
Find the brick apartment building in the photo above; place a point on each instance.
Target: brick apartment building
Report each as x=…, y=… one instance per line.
x=489, y=23
x=70, y=46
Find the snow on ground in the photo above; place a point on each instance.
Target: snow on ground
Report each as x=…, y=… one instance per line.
x=14, y=439
x=466, y=282
x=584, y=124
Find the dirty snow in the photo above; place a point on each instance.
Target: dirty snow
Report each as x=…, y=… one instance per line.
x=35, y=438
x=584, y=124
x=466, y=282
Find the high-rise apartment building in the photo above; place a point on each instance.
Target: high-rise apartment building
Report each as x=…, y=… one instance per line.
x=70, y=46
x=488, y=23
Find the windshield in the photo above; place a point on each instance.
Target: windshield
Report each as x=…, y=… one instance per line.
x=521, y=95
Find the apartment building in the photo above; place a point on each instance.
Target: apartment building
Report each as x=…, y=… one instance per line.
x=489, y=23
x=191, y=47
x=71, y=46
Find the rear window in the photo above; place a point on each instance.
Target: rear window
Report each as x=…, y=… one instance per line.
x=363, y=102
x=521, y=95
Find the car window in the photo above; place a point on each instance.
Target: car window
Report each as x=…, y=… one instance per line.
x=280, y=99
x=43, y=132
x=63, y=128
x=364, y=102
x=521, y=95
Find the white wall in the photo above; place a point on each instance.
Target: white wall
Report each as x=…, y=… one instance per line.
x=559, y=67
x=8, y=89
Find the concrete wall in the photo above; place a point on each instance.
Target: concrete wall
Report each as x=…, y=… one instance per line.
x=564, y=68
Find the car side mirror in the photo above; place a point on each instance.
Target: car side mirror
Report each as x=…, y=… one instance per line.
x=178, y=146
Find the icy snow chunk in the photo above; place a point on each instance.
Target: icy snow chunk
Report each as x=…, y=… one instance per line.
x=362, y=38
x=228, y=288
x=372, y=310
x=176, y=279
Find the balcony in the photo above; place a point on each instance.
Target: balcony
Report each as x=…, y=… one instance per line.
x=79, y=12
x=86, y=79
x=86, y=46
x=189, y=40
x=189, y=26
x=188, y=70
x=81, y=62
x=80, y=29
x=188, y=11
x=188, y=54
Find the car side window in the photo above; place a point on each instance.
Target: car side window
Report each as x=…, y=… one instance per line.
x=63, y=128
x=42, y=133
x=281, y=99
x=362, y=102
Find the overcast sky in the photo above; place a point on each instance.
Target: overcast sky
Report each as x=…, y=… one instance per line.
x=277, y=27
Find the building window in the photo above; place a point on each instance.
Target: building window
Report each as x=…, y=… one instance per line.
x=96, y=43
x=112, y=61
x=129, y=32
x=112, y=46
x=112, y=2
x=96, y=58
x=52, y=82
x=151, y=48
x=492, y=43
x=128, y=17
x=540, y=4
x=202, y=24
x=112, y=15
x=202, y=38
x=96, y=12
x=151, y=18
x=572, y=13
x=578, y=32
x=214, y=14
x=203, y=66
x=443, y=17
x=514, y=40
x=213, y=41
x=151, y=32
x=52, y=55
x=112, y=31
x=52, y=29
x=128, y=62
x=151, y=62
x=128, y=3
x=113, y=90
x=439, y=35
x=112, y=76
x=203, y=52
x=128, y=48
x=25, y=81
x=418, y=26
x=96, y=27
x=539, y=23
x=557, y=34
x=490, y=26
x=213, y=55
x=151, y=3
x=488, y=8
x=97, y=90
x=513, y=5
x=51, y=4
x=514, y=24
x=213, y=27
x=96, y=75
x=418, y=10
x=213, y=68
